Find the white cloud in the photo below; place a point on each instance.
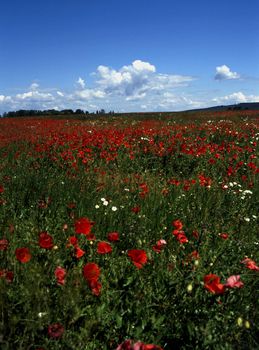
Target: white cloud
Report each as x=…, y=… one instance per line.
x=2, y=98
x=136, y=97
x=81, y=82
x=134, y=87
x=141, y=66
x=5, y=101
x=171, y=101
x=5, y=98
x=136, y=80
x=236, y=97
x=169, y=81
x=89, y=94
x=129, y=87
x=34, y=86
x=35, y=95
x=111, y=79
x=224, y=73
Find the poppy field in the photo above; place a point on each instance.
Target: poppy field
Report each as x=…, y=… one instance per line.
x=129, y=233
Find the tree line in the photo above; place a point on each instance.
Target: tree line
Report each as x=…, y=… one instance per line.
x=52, y=112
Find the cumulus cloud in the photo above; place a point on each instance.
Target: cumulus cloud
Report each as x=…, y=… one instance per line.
x=136, y=80
x=89, y=94
x=35, y=98
x=81, y=83
x=133, y=87
x=34, y=86
x=130, y=87
x=5, y=98
x=2, y=98
x=35, y=95
x=141, y=66
x=224, y=73
x=236, y=97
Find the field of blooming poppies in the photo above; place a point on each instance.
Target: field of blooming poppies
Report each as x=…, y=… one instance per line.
x=129, y=233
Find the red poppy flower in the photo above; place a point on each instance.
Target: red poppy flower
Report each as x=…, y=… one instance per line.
x=91, y=272
x=152, y=347
x=205, y=181
x=192, y=256
x=71, y=205
x=213, y=285
x=95, y=287
x=1, y=188
x=60, y=274
x=83, y=226
x=129, y=345
x=174, y=182
x=55, y=330
x=195, y=234
x=79, y=252
x=180, y=236
x=72, y=241
x=9, y=276
x=23, y=255
x=45, y=240
x=135, y=210
x=195, y=255
x=91, y=237
x=4, y=244
x=113, y=237
x=126, y=345
x=104, y=248
x=178, y=225
x=138, y=257
x=223, y=235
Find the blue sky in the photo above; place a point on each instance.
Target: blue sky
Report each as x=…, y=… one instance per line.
x=126, y=55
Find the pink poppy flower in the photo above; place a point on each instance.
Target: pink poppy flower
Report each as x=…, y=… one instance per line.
x=250, y=264
x=159, y=246
x=60, y=274
x=234, y=282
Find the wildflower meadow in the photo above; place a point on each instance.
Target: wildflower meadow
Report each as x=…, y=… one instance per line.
x=129, y=233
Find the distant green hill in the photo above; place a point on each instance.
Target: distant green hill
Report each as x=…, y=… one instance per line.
x=234, y=107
